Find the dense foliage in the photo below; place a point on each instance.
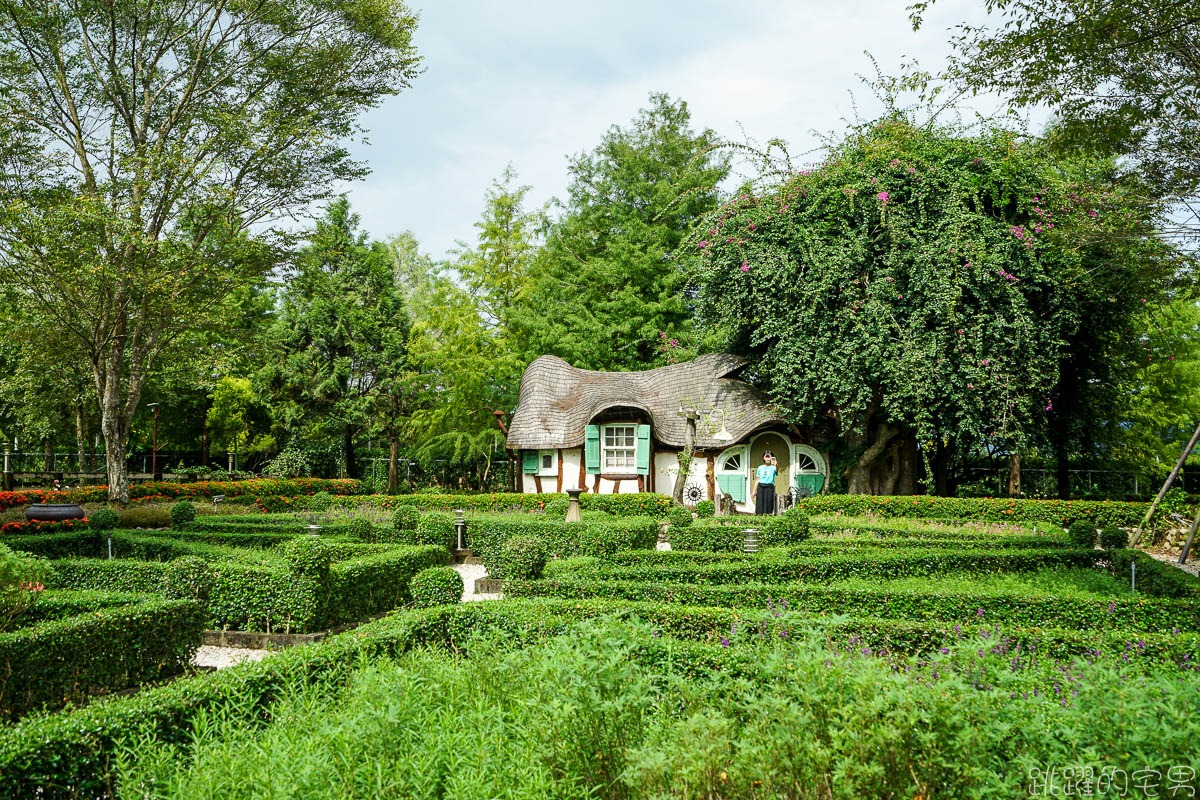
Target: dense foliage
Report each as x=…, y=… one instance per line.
x=921, y=289
x=106, y=648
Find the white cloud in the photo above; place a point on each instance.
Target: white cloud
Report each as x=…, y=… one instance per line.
x=531, y=83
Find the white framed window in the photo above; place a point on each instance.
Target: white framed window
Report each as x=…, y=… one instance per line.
x=547, y=463
x=618, y=448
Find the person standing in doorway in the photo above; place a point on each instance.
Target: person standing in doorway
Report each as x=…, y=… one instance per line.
x=763, y=493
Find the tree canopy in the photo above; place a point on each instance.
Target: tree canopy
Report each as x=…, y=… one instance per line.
x=1123, y=77
x=607, y=284
x=918, y=290
x=144, y=141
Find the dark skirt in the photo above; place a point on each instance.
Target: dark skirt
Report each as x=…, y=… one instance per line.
x=764, y=501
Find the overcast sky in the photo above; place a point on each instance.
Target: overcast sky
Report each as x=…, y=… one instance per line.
x=532, y=82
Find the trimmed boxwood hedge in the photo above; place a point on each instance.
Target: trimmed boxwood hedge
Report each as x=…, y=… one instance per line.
x=560, y=539
x=1154, y=577
x=1059, y=512
x=71, y=755
x=107, y=648
x=63, y=603
x=256, y=487
x=640, y=504
x=1131, y=616
x=871, y=565
x=364, y=580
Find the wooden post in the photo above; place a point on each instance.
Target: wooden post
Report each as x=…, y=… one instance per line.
x=1187, y=451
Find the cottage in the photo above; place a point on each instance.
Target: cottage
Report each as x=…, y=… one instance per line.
x=612, y=432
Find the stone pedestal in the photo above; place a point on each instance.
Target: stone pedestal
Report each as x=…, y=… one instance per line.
x=573, y=512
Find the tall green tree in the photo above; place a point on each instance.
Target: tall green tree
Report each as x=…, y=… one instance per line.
x=463, y=339
x=341, y=336
x=607, y=285
x=918, y=292
x=144, y=140
x=1123, y=77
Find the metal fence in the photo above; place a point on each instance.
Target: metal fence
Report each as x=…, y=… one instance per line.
x=1084, y=483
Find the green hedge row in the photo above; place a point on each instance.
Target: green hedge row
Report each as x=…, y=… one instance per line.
x=204, y=490
x=640, y=504
x=1154, y=577
x=71, y=755
x=837, y=529
x=560, y=539
x=870, y=565
x=105, y=649
x=375, y=582
x=63, y=603
x=1058, y=512
x=364, y=580
x=849, y=545
x=1131, y=616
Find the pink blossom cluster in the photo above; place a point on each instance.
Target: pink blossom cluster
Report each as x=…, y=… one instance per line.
x=1008, y=276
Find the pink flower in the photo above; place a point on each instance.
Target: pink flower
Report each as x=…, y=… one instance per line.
x=745, y=267
x=703, y=243
x=883, y=197
x=984, y=363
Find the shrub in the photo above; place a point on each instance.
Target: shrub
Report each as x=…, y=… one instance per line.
x=560, y=538
x=376, y=582
x=436, y=586
x=405, y=519
x=360, y=528
x=1154, y=578
x=557, y=506
x=321, y=501
x=20, y=585
x=1082, y=533
x=521, y=558
x=68, y=660
x=706, y=509
x=790, y=527
x=707, y=538
x=679, y=517
x=103, y=519
x=308, y=556
x=1113, y=538
x=1059, y=512
x=436, y=528
x=182, y=513
x=188, y=578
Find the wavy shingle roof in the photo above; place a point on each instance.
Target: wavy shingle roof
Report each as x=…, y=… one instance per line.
x=557, y=401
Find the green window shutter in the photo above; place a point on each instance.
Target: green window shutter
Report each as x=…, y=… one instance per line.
x=643, y=449
x=734, y=486
x=591, y=449
x=529, y=462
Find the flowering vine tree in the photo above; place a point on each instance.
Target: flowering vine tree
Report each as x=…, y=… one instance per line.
x=920, y=289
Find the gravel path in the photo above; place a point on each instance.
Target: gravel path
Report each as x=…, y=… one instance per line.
x=1192, y=566
x=470, y=573
x=221, y=657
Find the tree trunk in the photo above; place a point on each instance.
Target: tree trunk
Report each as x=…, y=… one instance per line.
x=47, y=455
x=80, y=436
x=393, y=465
x=863, y=477
x=348, y=452
x=942, y=457
x=685, y=459
x=117, y=467
x=205, y=438
x=1014, y=475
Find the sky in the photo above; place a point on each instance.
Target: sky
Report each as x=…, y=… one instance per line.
x=532, y=82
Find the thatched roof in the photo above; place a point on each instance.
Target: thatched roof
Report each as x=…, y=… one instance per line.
x=558, y=400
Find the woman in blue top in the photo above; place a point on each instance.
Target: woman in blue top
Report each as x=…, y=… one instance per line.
x=763, y=493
